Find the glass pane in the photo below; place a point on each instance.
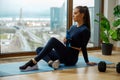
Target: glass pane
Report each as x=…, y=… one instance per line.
x=28, y=24
x=91, y=6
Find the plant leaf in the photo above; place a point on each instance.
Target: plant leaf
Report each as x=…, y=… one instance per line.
x=113, y=34
x=116, y=23
x=104, y=37
x=117, y=11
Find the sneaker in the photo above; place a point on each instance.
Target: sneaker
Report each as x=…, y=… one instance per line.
x=29, y=66
x=55, y=64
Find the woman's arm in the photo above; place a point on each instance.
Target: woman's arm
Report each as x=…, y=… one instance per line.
x=84, y=52
x=85, y=55
x=64, y=40
x=86, y=37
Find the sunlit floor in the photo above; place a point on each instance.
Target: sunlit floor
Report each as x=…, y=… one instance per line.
x=87, y=73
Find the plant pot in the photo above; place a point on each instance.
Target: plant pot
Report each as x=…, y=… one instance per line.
x=106, y=48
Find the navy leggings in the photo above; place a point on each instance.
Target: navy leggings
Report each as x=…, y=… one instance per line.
x=51, y=56
x=54, y=49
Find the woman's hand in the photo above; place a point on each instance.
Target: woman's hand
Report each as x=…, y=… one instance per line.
x=91, y=63
x=64, y=40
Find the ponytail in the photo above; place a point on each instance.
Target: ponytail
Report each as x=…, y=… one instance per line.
x=86, y=18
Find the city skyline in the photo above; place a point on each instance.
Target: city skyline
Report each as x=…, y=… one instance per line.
x=35, y=8
x=30, y=8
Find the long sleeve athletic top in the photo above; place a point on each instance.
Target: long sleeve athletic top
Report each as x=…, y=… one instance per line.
x=79, y=38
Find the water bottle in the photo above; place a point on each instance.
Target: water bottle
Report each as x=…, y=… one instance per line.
x=68, y=39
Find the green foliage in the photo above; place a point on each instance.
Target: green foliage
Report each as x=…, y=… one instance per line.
x=106, y=31
x=116, y=23
x=116, y=12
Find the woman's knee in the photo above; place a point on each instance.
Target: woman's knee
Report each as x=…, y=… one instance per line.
x=38, y=50
x=53, y=38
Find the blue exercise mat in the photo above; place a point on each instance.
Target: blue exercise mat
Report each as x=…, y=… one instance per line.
x=9, y=69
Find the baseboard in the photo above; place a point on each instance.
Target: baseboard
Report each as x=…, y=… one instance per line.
x=116, y=48
x=17, y=54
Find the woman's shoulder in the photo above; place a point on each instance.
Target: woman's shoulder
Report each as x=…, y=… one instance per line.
x=73, y=26
x=84, y=27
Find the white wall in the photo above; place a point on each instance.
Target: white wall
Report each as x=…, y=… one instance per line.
x=108, y=8
x=118, y=2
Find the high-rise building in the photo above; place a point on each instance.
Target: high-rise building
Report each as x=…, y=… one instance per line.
x=20, y=17
x=57, y=17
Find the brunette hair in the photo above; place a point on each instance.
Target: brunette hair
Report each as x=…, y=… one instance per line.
x=86, y=18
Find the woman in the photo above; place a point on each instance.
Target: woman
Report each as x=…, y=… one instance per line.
x=77, y=37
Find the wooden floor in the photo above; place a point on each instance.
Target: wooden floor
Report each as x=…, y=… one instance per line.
x=87, y=73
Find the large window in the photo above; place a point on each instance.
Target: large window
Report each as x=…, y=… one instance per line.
x=28, y=24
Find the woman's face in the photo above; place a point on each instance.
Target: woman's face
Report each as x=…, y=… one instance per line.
x=77, y=16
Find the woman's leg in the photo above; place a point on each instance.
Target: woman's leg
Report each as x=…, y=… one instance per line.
x=52, y=56
x=55, y=44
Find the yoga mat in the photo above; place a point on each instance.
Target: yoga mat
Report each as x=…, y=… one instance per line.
x=10, y=69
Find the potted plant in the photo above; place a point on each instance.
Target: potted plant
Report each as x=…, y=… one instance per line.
x=107, y=32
